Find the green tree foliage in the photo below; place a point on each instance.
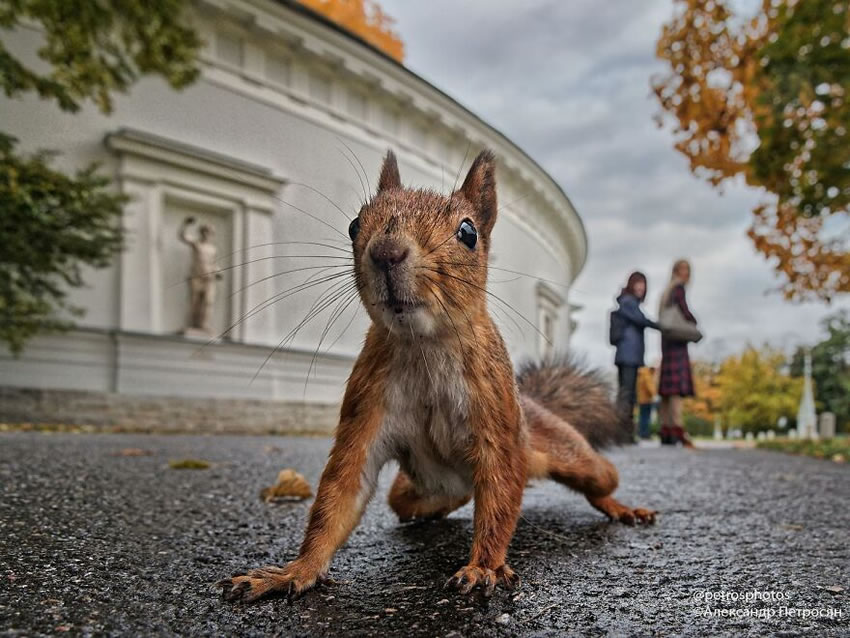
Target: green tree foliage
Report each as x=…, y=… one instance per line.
x=94, y=48
x=831, y=368
x=803, y=154
x=53, y=224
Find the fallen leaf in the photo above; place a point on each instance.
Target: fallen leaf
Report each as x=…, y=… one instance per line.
x=189, y=464
x=835, y=589
x=792, y=526
x=290, y=485
x=132, y=451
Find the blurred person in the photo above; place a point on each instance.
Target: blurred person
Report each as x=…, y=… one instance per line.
x=630, y=322
x=676, y=376
x=647, y=388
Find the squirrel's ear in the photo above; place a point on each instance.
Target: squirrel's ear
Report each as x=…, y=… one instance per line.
x=389, y=174
x=479, y=189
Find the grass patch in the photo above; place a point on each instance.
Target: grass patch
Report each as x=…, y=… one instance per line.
x=837, y=449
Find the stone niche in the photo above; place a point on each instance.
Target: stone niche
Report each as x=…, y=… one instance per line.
x=167, y=181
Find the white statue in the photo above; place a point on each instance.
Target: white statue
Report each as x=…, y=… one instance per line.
x=202, y=277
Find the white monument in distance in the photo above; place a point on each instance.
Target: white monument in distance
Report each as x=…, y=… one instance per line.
x=807, y=425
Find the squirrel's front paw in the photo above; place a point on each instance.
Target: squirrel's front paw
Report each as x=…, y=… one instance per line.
x=292, y=580
x=471, y=576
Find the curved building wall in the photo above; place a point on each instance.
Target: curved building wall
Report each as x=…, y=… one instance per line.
x=290, y=114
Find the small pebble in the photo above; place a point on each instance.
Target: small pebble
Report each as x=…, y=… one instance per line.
x=504, y=619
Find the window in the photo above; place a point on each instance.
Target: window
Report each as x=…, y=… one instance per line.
x=229, y=48
x=391, y=121
x=548, y=333
x=549, y=303
x=357, y=106
x=278, y=69
x=320, y=88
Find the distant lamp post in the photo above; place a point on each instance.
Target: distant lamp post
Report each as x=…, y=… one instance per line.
x=807, y=426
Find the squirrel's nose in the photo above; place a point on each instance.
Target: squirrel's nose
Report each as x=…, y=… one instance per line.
x=388, y=253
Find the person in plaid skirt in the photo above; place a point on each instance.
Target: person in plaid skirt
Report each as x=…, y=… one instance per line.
x=676, y=380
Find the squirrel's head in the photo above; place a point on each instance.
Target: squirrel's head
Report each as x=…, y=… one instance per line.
x=421, y=257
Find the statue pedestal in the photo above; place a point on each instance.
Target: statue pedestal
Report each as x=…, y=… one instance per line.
x=196, y=334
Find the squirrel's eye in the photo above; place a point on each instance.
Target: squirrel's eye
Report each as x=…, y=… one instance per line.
x=354, y=228
x=467, y=234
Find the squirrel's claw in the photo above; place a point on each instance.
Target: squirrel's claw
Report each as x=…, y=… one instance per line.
x=472, y=577
x=259, y=583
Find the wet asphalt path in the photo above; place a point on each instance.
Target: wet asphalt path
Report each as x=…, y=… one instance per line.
x=92, y=543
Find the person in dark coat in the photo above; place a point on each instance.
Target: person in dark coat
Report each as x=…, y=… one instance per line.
x=676, y=380
x=630, y=347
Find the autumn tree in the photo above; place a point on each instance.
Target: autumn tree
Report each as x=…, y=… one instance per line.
x=365, y=19
x=766, y=98
x=754, y=390
x=53, y=224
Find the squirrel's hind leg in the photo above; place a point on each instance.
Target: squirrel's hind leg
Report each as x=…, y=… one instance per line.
x=409, y=504
x=560, y=452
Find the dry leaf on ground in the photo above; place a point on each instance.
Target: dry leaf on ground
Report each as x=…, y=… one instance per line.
x=132, y=451
x=290, y=485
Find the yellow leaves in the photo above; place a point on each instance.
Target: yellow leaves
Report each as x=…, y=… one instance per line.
x=794, y=242
x=364, y=18
x=750, y=390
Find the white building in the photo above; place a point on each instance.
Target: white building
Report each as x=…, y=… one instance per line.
x=287, y=109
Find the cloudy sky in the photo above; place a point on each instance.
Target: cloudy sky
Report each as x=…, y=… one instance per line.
x=569, y=82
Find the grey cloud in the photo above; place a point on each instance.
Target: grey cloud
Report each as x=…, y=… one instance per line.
x=570, y=83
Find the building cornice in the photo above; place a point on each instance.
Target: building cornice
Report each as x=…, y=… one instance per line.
x=344, y=54
x=129, y=141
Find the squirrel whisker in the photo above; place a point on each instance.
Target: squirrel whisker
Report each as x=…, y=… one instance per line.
x=336, y=290
x=311, y=216
x=360, y=164
x=335, y=315
x=321, y=194
x=323, y=267
x=496, y=297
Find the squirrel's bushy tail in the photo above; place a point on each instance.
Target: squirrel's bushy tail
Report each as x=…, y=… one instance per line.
x=578, y=394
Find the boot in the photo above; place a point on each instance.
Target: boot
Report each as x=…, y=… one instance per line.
x=679, y=434
x=665, y=435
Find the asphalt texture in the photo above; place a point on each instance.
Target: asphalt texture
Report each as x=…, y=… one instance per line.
x=94, y=543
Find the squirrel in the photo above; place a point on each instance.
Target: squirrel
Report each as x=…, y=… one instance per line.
x=434, y=389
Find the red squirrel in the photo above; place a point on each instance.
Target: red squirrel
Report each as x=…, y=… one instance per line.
x=434, y=390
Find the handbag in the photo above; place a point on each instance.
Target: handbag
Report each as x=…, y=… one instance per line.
x=674, y=325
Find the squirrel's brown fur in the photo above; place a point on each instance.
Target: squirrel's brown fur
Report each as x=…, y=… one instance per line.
x=434, y=389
